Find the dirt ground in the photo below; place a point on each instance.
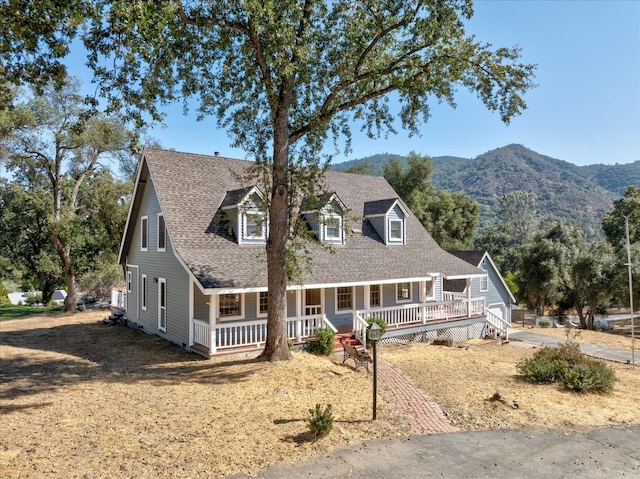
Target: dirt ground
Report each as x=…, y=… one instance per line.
x=79, y=399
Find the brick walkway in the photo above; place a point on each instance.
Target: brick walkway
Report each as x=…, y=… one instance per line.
x=401, y=393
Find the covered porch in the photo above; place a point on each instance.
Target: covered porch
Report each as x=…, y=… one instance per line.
x=215, y=337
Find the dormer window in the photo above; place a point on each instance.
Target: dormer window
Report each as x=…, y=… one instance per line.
x=395, y=230
x=333, y=228
x=254, y=225
x=245, y=210
x=388, y=218
x=325, y=216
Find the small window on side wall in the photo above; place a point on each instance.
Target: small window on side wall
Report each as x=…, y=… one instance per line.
x=484, y=284
x=144, y=233
x=162, y=233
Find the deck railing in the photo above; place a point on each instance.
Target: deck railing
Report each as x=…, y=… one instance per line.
x=498, y=323
x=235, y=334
x=254, y=333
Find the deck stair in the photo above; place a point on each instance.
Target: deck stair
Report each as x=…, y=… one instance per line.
x=348, y=338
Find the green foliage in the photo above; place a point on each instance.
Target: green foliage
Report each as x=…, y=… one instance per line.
x=568, y=365
x=102, y=278
x=541, y=370
x=323, y=343
x=544, y=323
x=70, y=202
x=35, y=298
x=450, y=218
x=320, y=421
x=590, y=376
x=4, y=293
x=380, y=322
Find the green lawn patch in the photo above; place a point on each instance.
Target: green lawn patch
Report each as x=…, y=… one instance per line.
x=9, y=311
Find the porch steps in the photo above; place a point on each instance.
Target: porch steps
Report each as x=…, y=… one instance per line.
x=348, y=338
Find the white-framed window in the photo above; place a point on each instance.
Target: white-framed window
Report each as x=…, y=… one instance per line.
x=162, y=233
x=129, y=281
x=254, y=225
x=231, y=305
x=263, y=303
x=333, y=228
x=144, y=233
x=144, y=292
x=162, y=304
x=395, y=230
x=403, y=292
x=484, y=284
x=344, y=298
x=375, y=296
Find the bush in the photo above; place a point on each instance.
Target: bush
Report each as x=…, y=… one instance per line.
x=567, y=364
x=323, y=343
x=541, y=370
x=590, y=376
x=380, y=322
x=31, y=299
x=544, y=323
x=321, y=421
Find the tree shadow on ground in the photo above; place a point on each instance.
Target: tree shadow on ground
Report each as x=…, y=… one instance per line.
x=46, y=359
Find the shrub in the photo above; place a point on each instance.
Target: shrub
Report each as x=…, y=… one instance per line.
x=320, y=421
x=31, y=299
x=541, y=370
x=567, y=364
x=323, y=343
x=590, y=376
x=380, y=322
x=544, y=323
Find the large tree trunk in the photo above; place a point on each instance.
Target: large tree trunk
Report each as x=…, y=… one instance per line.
x=71, y=301
x=276, y=348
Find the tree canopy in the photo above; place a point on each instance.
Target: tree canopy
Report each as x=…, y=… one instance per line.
x=284, y=77
x=53, y=152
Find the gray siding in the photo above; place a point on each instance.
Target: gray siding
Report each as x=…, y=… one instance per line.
x=159, y=264
x=200, y=306
x=378, y=225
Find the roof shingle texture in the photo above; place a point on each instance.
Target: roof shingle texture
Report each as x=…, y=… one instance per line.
x=191, y=188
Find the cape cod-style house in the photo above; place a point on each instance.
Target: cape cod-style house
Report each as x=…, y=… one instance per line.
x=193, y=254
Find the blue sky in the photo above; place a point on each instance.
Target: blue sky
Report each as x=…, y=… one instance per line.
x=585, y=110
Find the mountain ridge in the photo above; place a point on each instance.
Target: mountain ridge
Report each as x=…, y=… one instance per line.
x=577, y=194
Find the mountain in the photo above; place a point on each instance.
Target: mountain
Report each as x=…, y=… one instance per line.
x=577, y=194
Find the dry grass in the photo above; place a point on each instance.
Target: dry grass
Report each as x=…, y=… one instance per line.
x=81, y=399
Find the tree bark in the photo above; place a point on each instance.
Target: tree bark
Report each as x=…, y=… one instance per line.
x=71, y=301
x=276, y=348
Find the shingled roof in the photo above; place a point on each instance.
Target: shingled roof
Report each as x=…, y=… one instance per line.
x=191, y=189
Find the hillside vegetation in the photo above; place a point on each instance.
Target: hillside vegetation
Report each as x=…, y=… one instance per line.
x=577, y=194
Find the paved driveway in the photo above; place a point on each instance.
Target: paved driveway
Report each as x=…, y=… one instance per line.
x=602, y=453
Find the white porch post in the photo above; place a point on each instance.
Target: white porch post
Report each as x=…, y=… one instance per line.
x=213, y=319
x=298, y=315
x=468, y=283
x=190, y=312
x=423, y=301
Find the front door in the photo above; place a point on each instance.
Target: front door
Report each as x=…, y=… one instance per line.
x=312, y=302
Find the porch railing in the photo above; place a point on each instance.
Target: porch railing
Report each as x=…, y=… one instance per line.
x=498, y=323
x=201, y=333
x=254, y=333
x=394, y=315
x=360, y=329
